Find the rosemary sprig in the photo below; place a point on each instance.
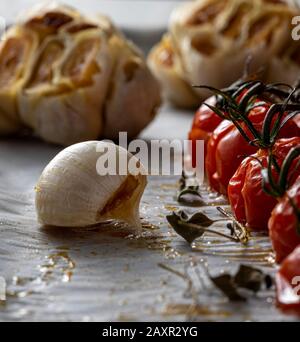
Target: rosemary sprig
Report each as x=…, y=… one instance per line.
x=241, y=233
x=269, y=184
x=237, y=106
x=277, y=187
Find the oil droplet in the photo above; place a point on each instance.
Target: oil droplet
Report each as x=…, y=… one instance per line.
x=58, y=262
x=171, y=208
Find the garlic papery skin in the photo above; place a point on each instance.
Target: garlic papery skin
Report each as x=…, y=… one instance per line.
x=71, y=193
x=133, y=96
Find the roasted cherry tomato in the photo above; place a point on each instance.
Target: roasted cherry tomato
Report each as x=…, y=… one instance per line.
x=250, y=204
x=288, y=283
x=227, y=148
x=205, y=122
x=284, y=223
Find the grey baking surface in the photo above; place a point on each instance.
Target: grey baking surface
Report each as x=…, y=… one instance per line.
x=102, y=275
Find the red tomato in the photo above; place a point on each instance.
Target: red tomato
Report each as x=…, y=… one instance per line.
x=283, y=223
x=297, y=120
x=249, y=203
x=288, y=283
x=205, y=122
x=227, y=148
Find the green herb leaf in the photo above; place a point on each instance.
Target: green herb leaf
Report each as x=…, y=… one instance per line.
x=249, y=278
x=181, y=221
x=191, y=227
x=226, y=284
x=190, y=196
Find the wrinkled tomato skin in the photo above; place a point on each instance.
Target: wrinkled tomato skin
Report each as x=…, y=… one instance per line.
x=204, y=123
x=297, y=120
x=287, y=296
x=210, y=159
x=283, y=224
x=249, y=203
x=227, y=148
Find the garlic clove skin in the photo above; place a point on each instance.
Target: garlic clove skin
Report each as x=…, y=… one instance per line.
x=134, y=95
x=165, y=65
x=70, y=192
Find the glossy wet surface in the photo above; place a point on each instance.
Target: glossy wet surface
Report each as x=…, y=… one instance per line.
x=107, y=273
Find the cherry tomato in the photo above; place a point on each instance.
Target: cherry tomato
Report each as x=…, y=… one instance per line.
x=288, y=283
x=204, y=123
x=227, y=148
x=283, y=223
x=249, y=203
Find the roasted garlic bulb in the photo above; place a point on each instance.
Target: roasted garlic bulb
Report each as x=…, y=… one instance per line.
x=165, y=65
x=209, y=42
x=70, y=78
x=74, y=192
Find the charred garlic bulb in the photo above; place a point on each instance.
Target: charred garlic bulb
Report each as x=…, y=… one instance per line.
x=77, y=190
x=211, y=40
x=72, y=78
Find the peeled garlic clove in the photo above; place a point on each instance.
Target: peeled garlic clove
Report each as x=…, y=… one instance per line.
x=133, y=97
x=63, y=99
x=165, y=65
x=70, y=192
x=16, y=46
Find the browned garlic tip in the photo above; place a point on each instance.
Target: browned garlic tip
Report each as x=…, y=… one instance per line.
x=209, y=42
x=66, y=77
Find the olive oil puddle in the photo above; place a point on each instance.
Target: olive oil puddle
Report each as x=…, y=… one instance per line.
x=57, y=268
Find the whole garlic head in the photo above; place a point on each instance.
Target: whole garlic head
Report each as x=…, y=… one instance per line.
x=72, y=193
x=211, y=41
x=62, y=75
